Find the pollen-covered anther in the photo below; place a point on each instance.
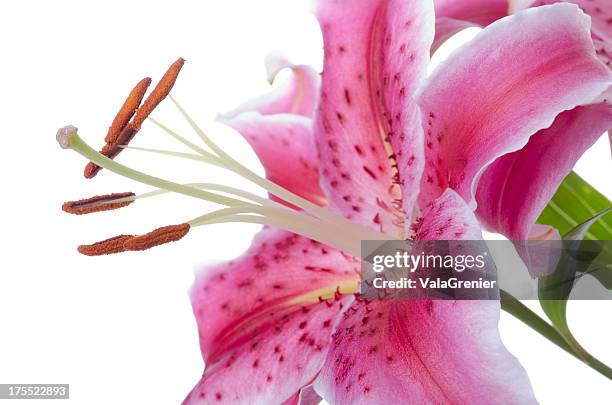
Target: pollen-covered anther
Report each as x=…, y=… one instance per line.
x=122, y=131
x=160, y=92
x=105, y=247
x=98, y=203
x=128, y=110
x=159, y=236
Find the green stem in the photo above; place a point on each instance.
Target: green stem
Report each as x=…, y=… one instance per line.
x=517, y=309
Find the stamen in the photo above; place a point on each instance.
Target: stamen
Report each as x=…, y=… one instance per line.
x=105, y=247
x=207, y=186
x=111, y=150
x=160, y=92
x=191, y=156
x=182, y=140
x=278, y=191
x=159, y=236
x=99, y=203
x=289, y=220
x=127, y=111
x=316, y=222
x=123, y=243
x=122, y=131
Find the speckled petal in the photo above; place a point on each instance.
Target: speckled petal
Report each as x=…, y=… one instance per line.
x=447, y=218
x=284, y=145
x=263, y=331
x=421, y=353
x=424, y=352
x=376, y=52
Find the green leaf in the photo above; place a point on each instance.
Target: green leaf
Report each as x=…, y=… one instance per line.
x=575, y=202
x=555, y=289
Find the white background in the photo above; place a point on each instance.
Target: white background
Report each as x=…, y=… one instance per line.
x=119, y=329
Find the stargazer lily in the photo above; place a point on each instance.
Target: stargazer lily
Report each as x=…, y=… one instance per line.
x=378, y=152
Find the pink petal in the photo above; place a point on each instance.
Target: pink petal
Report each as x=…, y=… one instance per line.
x=514, y=190
x=376, y=53
x=541, y=253
x=453, y=16
x=306, y=396
x=446, y=28
x=261, y=344
x=447, y=218
x=601, y=22
x=601, y=15
x=543, y=233
x=599, y=10
x=296, y=96
x=422, y=352
x=510, y=81
x=603, y=50
x=272, y=359
x=284, y=145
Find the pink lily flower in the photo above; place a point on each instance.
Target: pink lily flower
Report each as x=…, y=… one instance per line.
x=384, y=150
x=378, y=152
x=513, y=191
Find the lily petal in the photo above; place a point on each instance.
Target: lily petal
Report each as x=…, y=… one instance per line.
x=603, y=50
x=306, y=396
x=453, y=16
x=376, y=52
x=284, y=145
x=296, y=96
x=601, y=22
x=447, y=218
x=599, y=10
x=510, y=81
x=601, y=15
x=514, y=190
x=541, y=253
x=424, y=352
x=263, y=332
x=541, y=232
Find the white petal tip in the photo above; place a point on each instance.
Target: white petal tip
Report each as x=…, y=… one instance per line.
x=275, y=62
x=64, y=135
